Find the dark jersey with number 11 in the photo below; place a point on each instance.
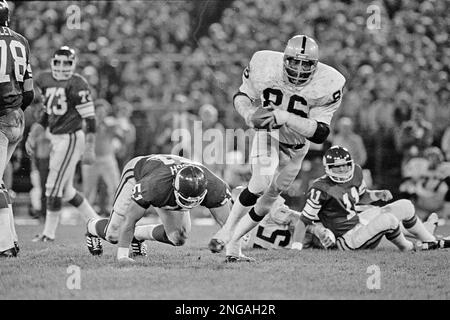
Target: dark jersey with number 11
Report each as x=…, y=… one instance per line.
x=14, y=68
x=334, y=203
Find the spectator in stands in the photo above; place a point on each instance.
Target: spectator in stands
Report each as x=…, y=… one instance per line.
x=348, y=139
x=445, y=143
x=415, y=135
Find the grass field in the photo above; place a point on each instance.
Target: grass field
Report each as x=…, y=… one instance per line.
x=192, y=272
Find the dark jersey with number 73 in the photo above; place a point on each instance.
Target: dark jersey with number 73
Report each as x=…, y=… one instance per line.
x=14, y=68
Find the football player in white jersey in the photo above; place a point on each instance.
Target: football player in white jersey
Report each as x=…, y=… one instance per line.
x=299, y=96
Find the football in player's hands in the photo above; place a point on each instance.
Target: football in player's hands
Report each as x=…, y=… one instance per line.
x=263, y=118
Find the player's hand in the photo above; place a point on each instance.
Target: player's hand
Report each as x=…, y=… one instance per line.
x=281, y=116
x=327, y=238
x=89, y=155
x=263, y=118
x=384, y=195
x=29, y=147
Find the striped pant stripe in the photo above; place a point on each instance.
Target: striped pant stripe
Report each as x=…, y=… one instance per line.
x=127, y=175
x=64, y=165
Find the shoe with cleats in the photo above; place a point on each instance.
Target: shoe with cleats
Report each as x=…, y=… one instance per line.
x=10, y=253
x=94, y=244
x=42, y=238
x=241, y=258
x=138, y=248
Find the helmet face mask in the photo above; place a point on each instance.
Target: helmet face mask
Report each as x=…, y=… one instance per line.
x=339, y=165
x=190, y=187
x=63, y=64
x=300, y=60
x=189, y=202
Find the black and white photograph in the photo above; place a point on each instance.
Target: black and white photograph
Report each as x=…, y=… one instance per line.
x=224, y=154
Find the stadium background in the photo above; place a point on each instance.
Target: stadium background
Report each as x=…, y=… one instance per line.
x=148, y=53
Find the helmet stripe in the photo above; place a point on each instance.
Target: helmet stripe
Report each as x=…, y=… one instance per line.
x=303, y=44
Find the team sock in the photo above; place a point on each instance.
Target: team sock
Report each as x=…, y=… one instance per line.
x=245, y=225
x=416, y=227
x=51, y=223
x=6, y=236
x=145, y=232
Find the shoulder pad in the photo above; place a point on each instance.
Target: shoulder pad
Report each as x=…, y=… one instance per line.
x=321, y=183
x=326, y=83
x=265, y=65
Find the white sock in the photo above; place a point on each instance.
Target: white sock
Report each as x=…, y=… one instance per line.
x=246, y=224
x=86, y=211
x=51, y=223
x=13, y=227
x=236, y=214
x=420, y=232
x=6, y=237
x=402, y=243
x=145, y=232
x=91, y=226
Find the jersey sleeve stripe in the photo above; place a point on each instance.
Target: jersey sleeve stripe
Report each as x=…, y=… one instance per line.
x=312, y=204
x=86, y=110
x=310, y=213
x=85, y=105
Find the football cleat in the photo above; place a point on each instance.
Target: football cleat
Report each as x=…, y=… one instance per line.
x=16, y=246
x=42, y=238
x=10, y=253
x=241, y=258
x=138, y=248
x=216, y=245
x=94, y=244
x=432, y=245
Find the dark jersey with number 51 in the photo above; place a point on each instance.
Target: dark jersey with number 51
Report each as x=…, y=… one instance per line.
x=155, y=176
x=14, y=68
x=334, y=204
x=66, y=102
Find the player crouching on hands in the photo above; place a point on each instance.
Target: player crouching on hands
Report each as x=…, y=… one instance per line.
x=173, y=185
x=333, y=199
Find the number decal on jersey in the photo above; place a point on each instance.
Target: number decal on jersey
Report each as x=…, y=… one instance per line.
x=349, y=205
x=276, y=233
x=137, y=192
x=20, y=60
x=85, y=96
x=247, y=72
x=275, y=97
x=56, y=101
x=336, y=96
x=315, y=195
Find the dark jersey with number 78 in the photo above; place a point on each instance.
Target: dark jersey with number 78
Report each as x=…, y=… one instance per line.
x=14, y=68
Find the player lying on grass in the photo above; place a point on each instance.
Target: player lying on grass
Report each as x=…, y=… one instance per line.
x=277, y=228
x=333, y=199
x=172, y=185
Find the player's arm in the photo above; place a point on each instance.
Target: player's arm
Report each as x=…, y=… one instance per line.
x=309, y=214
x=218, y=198
x=134, y=213
x=367, y=196
x=86, y=109
x=28, y=91
x=244, y=99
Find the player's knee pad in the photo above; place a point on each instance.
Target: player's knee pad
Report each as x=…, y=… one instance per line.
x=248, y=198
x=258, y=184
x=178, y=237
x=402, y=209
x=382, y=222
x=54, y=203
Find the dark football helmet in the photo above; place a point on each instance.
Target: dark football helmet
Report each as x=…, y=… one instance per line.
x=190, y=186
x=63, y=63
x=300, y=59
x=4, y=14
x=339, y=165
